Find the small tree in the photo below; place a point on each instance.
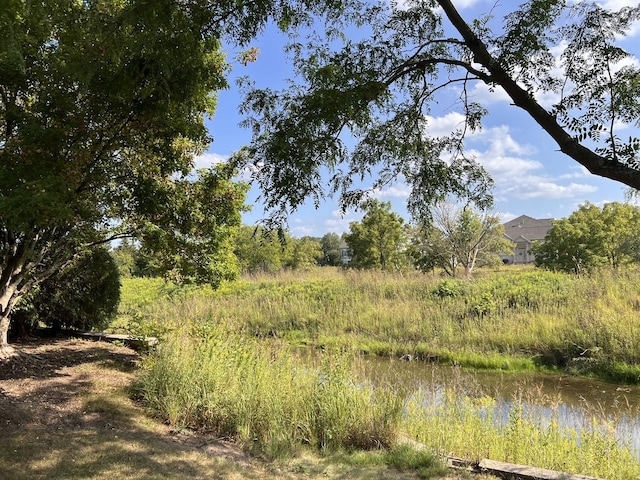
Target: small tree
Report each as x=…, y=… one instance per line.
x=305, y=253
x=459, y=238
x=331, y=250
x=378, y=240
x=260, y=250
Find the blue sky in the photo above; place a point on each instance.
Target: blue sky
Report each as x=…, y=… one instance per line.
x=531, y=176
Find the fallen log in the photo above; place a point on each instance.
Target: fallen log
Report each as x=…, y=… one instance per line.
x=506, y=471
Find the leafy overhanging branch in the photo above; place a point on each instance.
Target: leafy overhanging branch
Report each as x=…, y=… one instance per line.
x=568, y=143
x=364, y=110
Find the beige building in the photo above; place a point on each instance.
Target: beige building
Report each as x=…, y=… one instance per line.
x=523, y=231
x=345, y=253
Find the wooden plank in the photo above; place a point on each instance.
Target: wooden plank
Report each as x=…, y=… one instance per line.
x=132, y=341
x=522, y=472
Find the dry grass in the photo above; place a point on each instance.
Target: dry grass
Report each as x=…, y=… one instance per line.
x=66, y=412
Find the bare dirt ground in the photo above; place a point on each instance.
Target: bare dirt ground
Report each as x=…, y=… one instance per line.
x=66, y=411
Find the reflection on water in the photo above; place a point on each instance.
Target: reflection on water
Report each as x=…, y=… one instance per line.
x=574, y=401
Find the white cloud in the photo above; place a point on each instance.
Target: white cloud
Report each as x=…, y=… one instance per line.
x=208, y=159
x=306, y=230
x=542, y=187
x=618, y=4
x=339, y=223
x=441, y=126
x=399, y=190
x=485, y=95
x=506, y=216
x=510, y=164
x=501, y=142
x=577, y=172
x=505, y=169
x=460, y=4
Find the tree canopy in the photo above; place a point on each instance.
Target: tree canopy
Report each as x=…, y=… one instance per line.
x=102, y=108
x=378, y=240
x=591, y=237
x=459, y=238
x=364, y=107
x=330, y=243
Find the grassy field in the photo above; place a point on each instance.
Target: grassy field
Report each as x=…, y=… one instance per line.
x=227, y=365
x=514, y=319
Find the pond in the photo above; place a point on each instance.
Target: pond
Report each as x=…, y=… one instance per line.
x=574, y=401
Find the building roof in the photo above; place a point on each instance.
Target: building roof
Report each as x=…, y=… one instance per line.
x=528, y=228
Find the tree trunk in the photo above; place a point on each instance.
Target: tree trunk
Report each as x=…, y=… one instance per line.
x=4, y=330
x=7, y=301
x=6, y=350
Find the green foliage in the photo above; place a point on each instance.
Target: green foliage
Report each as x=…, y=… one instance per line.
x=102, y=111
x=331, y=250
x=484, y=305
x=85, y=296
x=306, y=253
x=258, y=393
x=379, y=90
x=125, y=257
x=261, y=250
x=377, y=241
x=458, y=238
x=448, y=288
x=134, y=261
x=515, y=319
x=591, y=237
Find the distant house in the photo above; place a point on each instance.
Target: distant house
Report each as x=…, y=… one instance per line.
x=523, y=231
x=345, y=253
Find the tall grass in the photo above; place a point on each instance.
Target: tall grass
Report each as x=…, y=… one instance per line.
x=470, y=427
x=531, y=318
x=209, y=379
x=225, y=364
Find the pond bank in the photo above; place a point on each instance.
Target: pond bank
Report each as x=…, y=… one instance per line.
x=67, y=412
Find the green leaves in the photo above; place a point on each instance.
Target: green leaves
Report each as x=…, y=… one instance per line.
x=359, y=108
x=378, y=240
x=102, y=108
x=455, y=239
x=591, y=237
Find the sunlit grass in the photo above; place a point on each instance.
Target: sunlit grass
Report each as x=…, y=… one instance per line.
x=470, y=427
x=507, y=317
x=226, y=365
x=259, y=394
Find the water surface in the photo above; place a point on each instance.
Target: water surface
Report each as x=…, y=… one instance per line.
x=574, y=401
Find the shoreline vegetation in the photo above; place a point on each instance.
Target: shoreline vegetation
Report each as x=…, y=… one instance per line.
x=227, y=363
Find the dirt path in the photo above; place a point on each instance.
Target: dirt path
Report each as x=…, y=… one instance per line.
x=66, y=412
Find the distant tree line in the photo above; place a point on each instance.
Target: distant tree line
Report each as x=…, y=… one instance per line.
x=454, y=240
x=592, y=237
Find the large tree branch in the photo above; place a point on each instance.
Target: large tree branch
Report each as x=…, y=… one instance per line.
x=420, y=65
x=596, y=164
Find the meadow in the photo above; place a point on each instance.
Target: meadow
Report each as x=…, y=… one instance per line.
x=228, y=363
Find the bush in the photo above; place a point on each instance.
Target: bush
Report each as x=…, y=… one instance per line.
x=84, y=296
x=448, y=288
